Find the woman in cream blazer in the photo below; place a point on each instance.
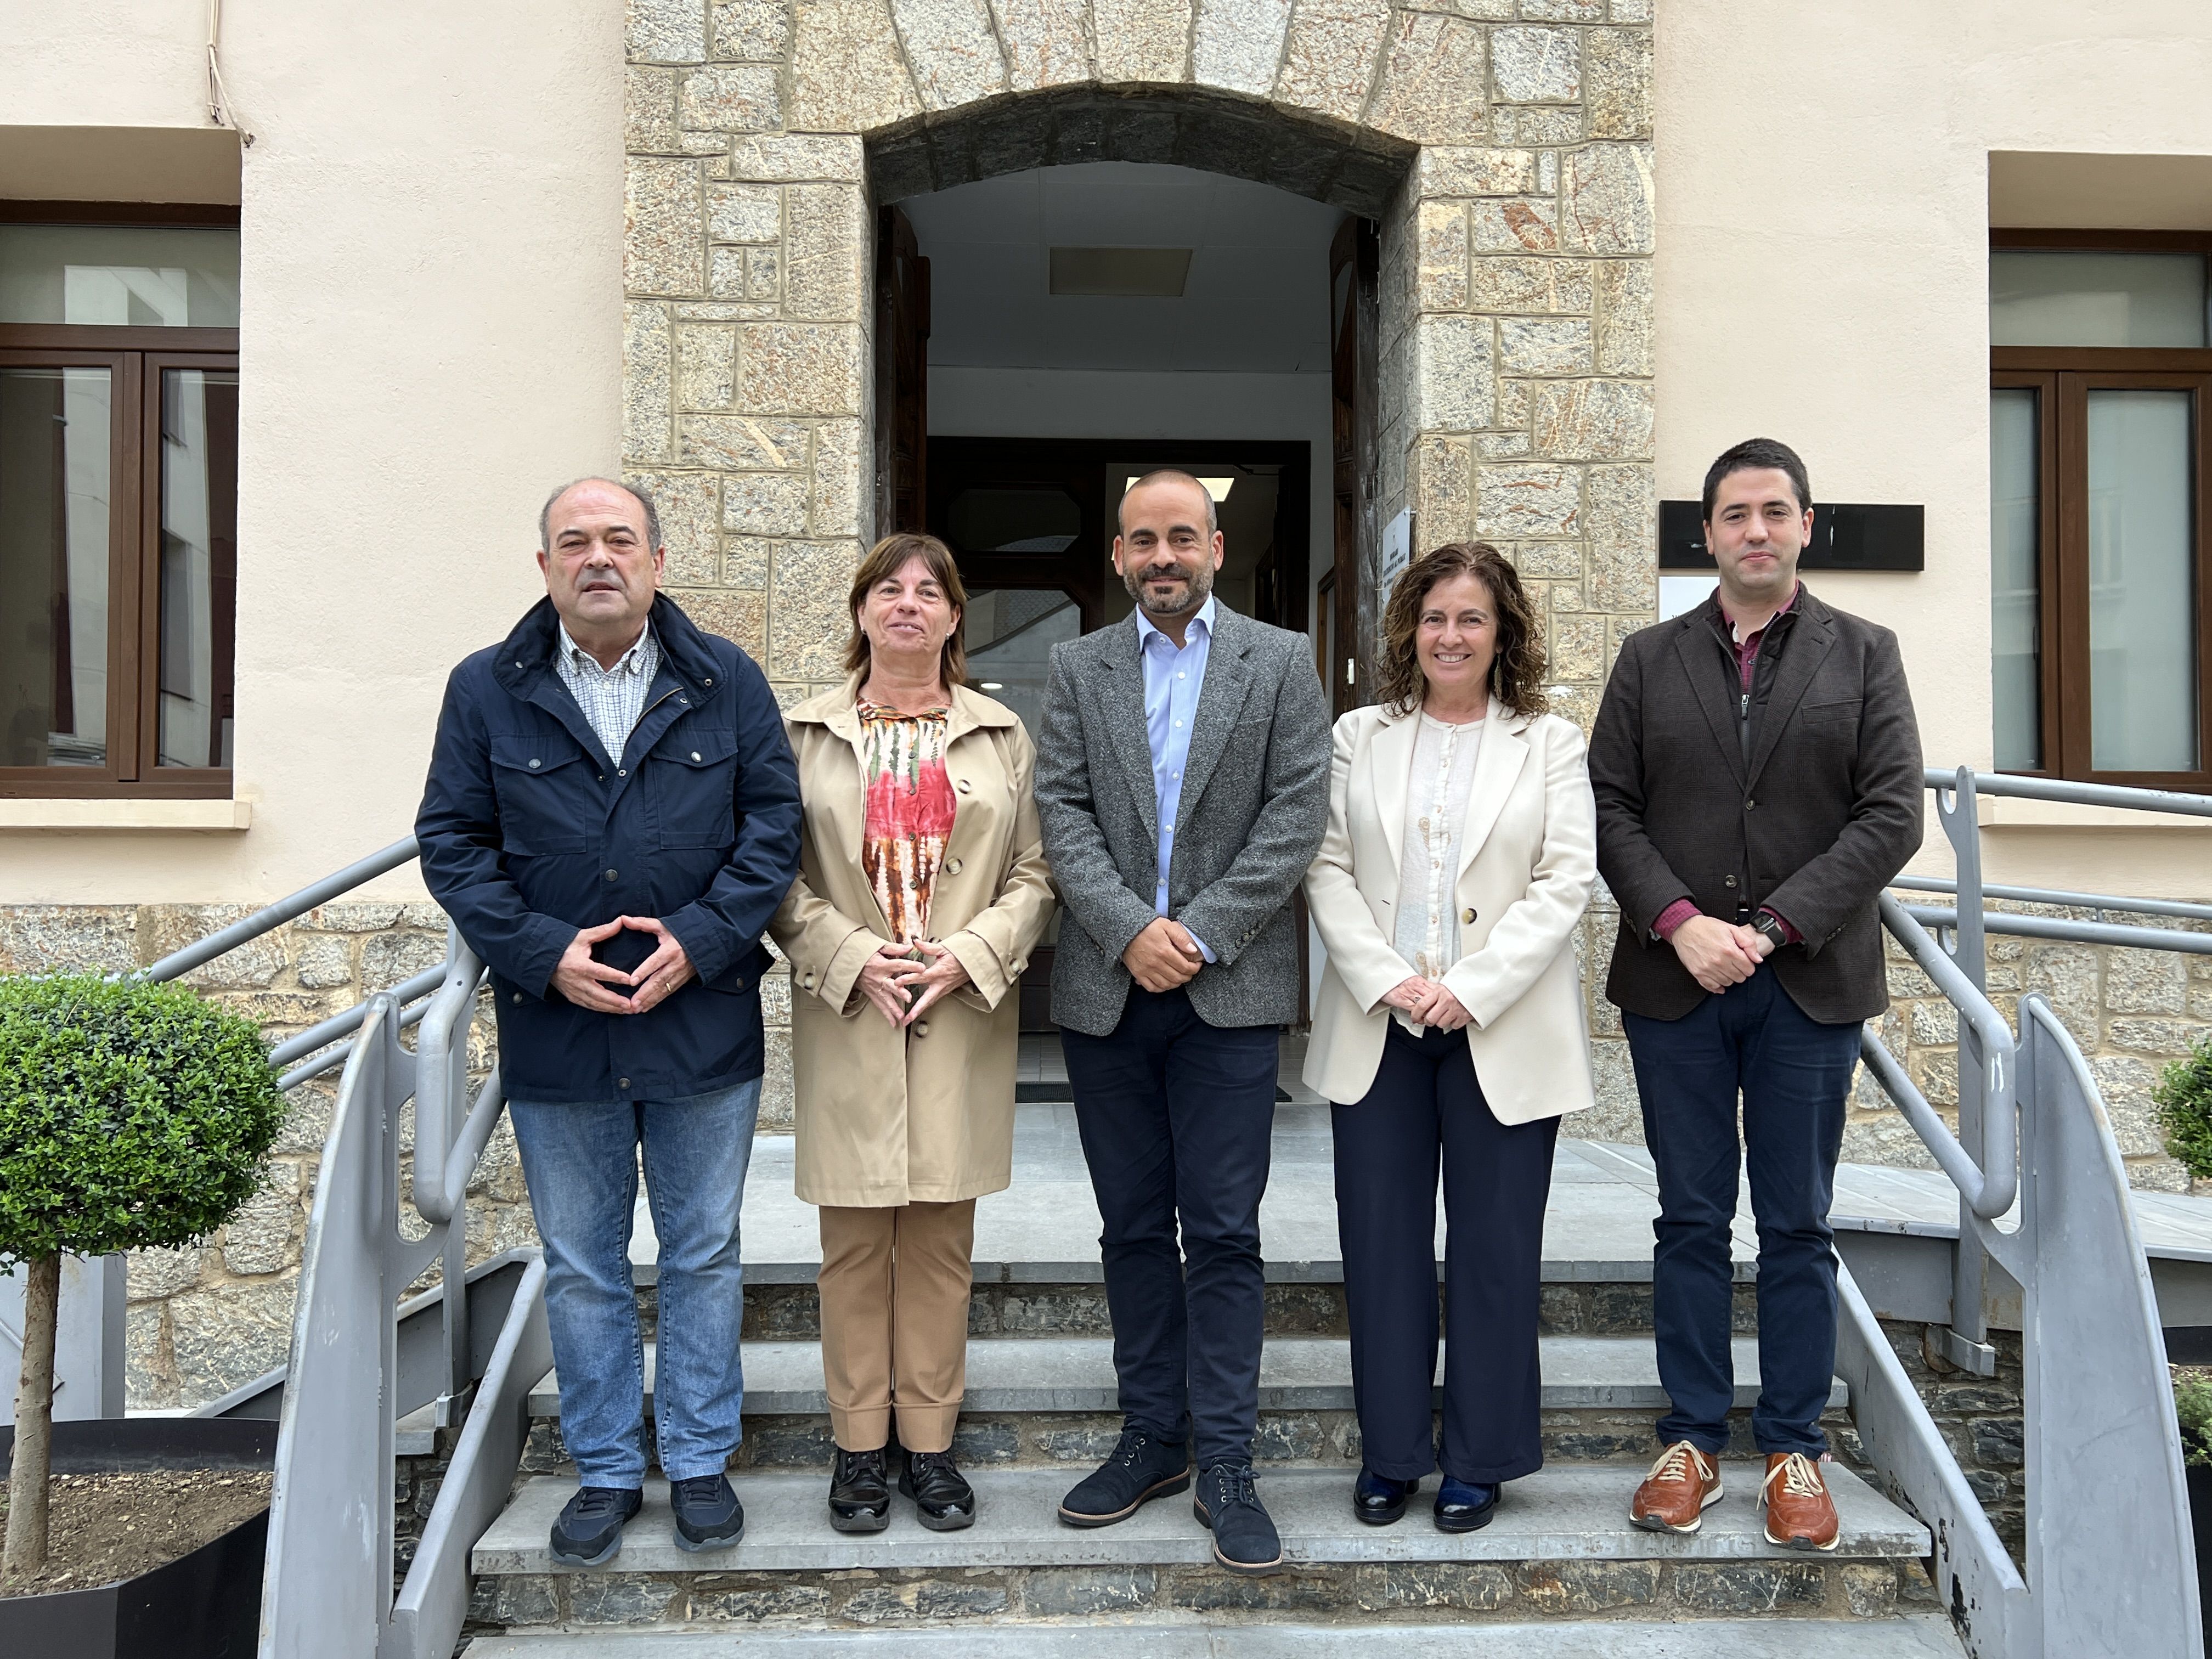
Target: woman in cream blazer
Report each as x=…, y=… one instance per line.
x=1460, y=855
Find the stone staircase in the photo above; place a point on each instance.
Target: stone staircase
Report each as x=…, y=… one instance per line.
x=1559, y=1573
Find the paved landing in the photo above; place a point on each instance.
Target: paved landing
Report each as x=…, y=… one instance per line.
x=1564, y=1513
x=1597, y=1223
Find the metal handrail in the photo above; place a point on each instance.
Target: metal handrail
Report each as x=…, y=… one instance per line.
x=271, y=917
x=2078, y=932
x=2061, y=897
x=2074, y=794
x=1991, y=1186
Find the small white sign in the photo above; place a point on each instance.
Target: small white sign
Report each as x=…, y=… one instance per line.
x=1397, y=550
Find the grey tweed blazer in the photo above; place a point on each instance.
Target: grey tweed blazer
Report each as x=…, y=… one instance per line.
x=1255, y=803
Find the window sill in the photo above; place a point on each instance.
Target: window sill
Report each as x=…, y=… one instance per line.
x=188, y=817
x=2003, y=812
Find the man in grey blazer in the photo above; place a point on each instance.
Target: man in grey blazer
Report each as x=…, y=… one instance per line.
x=1182, y=784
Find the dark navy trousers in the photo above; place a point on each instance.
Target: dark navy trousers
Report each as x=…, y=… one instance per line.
x=1425, y=1109
x=1175, y=1117
x=1794, y=1075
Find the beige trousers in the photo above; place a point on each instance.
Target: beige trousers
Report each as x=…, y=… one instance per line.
x=894, y=1285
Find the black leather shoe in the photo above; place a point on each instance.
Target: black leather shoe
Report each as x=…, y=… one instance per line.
x=1464, y=1506
x=1377, y=1499
x=1140, y=1469
x=940, y=1491
x=589, y=1530
x=860, y=1491
x=1244, y=1538
x=707, y=1514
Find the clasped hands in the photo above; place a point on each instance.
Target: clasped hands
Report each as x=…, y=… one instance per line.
x=1719, y=954
x=1428, y=1003
x=1163, y=956
x=903, y=978
x=583, y=979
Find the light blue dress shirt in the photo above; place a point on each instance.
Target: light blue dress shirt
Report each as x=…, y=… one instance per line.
x=1173, y=679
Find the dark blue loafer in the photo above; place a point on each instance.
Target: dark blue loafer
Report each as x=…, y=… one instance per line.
x=1463, y=1506
x=707, y=1514
x=1379, y=1500
x=590, y=1528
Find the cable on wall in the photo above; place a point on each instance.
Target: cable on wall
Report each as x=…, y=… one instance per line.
x=219, y=105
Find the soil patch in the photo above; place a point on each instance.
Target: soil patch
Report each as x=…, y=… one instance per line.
x=102, y=1527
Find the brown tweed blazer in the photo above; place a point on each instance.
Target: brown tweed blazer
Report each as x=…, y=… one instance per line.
x=1815, y=822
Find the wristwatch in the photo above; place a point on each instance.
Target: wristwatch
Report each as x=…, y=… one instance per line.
x=1767, y=923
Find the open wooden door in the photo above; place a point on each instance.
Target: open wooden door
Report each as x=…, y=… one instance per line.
x=902, y=375
x=1355, y=263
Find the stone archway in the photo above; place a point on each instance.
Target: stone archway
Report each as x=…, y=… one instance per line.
x=1509, y=162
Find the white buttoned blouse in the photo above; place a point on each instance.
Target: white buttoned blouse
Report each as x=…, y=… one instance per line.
x=1428, y=866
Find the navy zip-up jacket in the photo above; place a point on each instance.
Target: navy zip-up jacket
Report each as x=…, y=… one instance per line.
x=531, y=831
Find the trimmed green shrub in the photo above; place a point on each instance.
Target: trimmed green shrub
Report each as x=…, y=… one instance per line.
x=132, y=1114
x=2192, y=1404
x=2183, y=1097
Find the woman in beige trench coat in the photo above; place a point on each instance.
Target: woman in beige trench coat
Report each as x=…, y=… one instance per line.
x=922, y=889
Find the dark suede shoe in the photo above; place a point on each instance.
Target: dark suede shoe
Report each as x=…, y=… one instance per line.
x=707, y=1514
x=940, y=1493
x=860, y=1491
x=1377, y=1499
x=1140, y=1469
x=1464, y=1506
x=589, y=1530
x=1244, y=1538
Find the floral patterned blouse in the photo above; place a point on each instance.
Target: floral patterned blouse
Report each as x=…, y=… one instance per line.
x=910, y=811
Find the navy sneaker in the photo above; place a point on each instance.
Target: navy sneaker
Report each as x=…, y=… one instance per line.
x=707, y=1514
x=1142, y=1467
x=589, y=1531
x=1465, y=1505
x=1244, y=1538
x=1379, y=1500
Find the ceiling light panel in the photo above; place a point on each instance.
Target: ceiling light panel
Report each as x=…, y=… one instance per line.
x=1129, y=273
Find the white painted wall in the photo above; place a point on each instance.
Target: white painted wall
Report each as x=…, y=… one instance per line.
x=1823, y=180
x=431, y=338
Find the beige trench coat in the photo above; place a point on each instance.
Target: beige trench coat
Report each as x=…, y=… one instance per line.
x=926, y=1114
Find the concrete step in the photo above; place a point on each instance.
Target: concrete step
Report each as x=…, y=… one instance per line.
x=1076, y=1374
x=1561, y=1545
x=1923, y=1636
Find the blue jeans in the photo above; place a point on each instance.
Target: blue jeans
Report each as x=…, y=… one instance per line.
x=1793, y=1074
x=1175, y=1117
x=582, y=1163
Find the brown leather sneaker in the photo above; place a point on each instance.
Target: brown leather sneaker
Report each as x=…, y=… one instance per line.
x=1799, y=1514
x=1683, y=1485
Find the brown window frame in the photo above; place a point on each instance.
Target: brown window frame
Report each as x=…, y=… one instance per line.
x=2062, y=378
x=136, y=359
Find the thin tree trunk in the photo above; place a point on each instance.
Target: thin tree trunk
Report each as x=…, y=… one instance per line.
x=34, y=1423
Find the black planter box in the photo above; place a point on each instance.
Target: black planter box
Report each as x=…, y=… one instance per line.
x=206, y=1605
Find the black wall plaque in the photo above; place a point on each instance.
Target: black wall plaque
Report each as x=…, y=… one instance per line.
x=1846, y=536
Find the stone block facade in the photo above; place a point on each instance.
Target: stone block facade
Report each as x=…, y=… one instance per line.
x=1504, y=147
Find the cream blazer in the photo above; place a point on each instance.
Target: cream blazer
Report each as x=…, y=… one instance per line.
x=1528, y=861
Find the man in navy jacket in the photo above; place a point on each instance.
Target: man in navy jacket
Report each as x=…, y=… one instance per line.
x=611, y=817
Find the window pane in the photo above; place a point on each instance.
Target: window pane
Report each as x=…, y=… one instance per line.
x=2096, y=299
x=133, y=276
x=1011, y=633
x=2142, y=602
x=55, y=433
x=1014, y=520
x=2015, y=596
x=200, y=562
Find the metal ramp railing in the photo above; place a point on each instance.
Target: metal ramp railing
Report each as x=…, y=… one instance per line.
x=2110, y=1562
x=359, y=1359
x=2109, y=1556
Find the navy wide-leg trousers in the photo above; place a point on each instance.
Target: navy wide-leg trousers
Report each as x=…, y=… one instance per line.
x=1426, y=1110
